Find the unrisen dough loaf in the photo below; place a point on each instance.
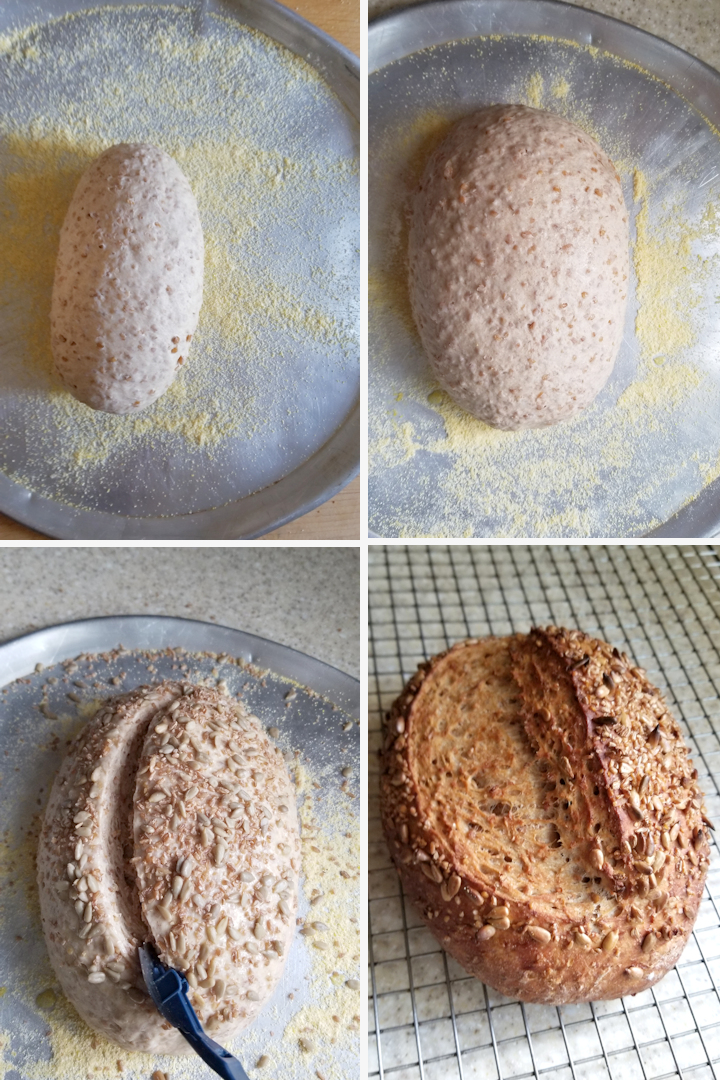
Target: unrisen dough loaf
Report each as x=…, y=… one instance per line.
x=128, y=280
x=543, y=812
x=195, y=850
x=519, y=266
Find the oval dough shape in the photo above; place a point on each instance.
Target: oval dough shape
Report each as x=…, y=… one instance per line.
x=518, y=259
x=172, y=820
x=128, y=280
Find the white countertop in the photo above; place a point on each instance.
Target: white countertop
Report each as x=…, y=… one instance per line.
x=693, y=25
x=307, y=598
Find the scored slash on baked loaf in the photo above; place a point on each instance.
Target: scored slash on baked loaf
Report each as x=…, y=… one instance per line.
x=172, y=820
x=543, y=813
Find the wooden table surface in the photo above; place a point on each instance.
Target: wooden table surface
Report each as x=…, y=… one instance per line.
x=338, y=519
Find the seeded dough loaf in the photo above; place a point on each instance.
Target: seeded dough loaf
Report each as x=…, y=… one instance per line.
x=519, y=266
x=172, y=820
x=128, y=280
x=544, y=815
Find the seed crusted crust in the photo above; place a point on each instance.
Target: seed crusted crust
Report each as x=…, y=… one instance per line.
x=130, y=851
x=543, y=813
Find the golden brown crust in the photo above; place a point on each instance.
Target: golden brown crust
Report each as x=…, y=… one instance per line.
x=543, y=813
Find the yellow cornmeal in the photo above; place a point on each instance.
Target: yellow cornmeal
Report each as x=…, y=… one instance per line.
x=252, y=173
x=76, y=1051
x=589, y=477
x=560, y=88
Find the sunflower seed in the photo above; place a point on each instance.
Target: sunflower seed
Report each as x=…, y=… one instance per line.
x=187, y=867
x=234, y=933
x=219, y=853
x=538, y=933
x=432, y=872
x=583, y=941
x=259, y=930
x=567, y=768
x=82, y=815
x=451, y=887
x=252, y=995
x=191, y=793
x=634, y=972
x=96, y=977
x=609, y=941
x=92, y=884
x=185, y=891
x=486, y=932
x=648, y=943
x=85, y=929
x=157, y=796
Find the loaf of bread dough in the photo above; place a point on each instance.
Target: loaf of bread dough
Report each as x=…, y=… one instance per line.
x=518, y=259
x=543, y=813
x=128, y=280
x=172, y=820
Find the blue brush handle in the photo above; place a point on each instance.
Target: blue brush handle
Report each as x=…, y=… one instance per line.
x=220, y=1060
x=169, y=989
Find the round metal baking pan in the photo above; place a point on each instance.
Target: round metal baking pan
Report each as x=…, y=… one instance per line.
x=32, y=744
x=422, y=58
x=252, y=485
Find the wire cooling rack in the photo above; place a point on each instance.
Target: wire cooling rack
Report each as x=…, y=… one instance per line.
x=428, y=1020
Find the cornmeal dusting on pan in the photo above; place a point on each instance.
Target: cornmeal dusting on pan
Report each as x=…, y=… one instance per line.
x=328, y=911
x=280, y=300
x=669, y=278
x=617, y=469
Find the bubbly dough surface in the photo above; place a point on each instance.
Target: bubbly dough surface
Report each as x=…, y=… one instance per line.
x=519, y=263
x=128, y=280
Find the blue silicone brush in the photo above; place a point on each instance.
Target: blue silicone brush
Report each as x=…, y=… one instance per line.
x=169, y=989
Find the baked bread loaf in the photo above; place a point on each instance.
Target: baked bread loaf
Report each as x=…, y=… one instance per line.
x=128, y=279
x=519, y=263
x=171, y=820
x=544, y=815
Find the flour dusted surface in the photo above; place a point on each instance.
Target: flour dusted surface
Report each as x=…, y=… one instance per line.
x=268, y=150
x=519, y=264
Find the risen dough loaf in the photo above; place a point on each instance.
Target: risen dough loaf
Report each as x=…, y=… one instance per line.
x=543, y=812
x=128, y=280
x=519, y=265
x=172, y=820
